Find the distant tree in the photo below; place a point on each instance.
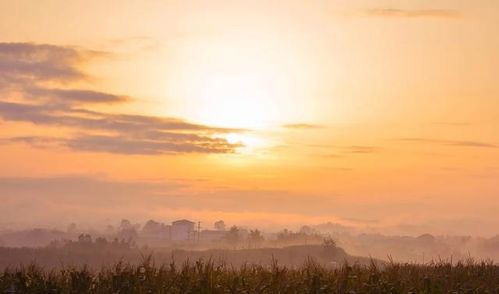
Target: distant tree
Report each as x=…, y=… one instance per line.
x=151, y=227
x=101, y=241
x=287, y=236
x=330, y=246
x=54, y=244
x=110, y=229
x=307, y=230
x=220, y=225
x=72, y=228
x=426, y=238
x=304, y=236
x=128, y=231
x=255, y=238
x=155, y=230
x=125, y=224
x=329, y=242
x=128, y=234
x=233, y=236
x=85, y=239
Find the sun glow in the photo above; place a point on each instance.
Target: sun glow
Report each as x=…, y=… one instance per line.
x=238, y=100
x=248, y=143
x=237, y=83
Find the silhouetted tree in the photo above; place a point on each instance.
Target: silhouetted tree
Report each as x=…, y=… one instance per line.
x=287, y=236
x=233, y=237
x=307, y=230
x=125, y=224
x=85, y=239
x=151, y=227
x=101, y=241
x=220, y=225
x=128, y=231
x=255, y=238
x=330, y=246
x=72, y=228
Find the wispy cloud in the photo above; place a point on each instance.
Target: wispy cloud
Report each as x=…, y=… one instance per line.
x=73, y=96
x=22, y=62
x=452, y=124
x=117, y=144
x=414, y=13
x=61, y=115
x=456, y=143
x=351, y=149
x=303, y=126
x=359, y=149
x=26, y=70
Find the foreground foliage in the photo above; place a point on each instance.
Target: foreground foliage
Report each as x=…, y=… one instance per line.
x=210, y=277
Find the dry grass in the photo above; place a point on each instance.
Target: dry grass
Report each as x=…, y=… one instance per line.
x=206, y=276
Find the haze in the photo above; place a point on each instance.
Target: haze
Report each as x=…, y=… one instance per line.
x=377, y=115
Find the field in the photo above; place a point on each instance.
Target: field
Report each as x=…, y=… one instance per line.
x=292, y=269
x=95, y=257
x=207, y=276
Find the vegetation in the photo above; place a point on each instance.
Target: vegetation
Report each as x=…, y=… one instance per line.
x=98, y=266
x=210, y=277
x=97, y=254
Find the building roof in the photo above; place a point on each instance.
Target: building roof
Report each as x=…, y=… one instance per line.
x=182, y=221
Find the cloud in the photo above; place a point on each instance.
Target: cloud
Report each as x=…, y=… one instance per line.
x=456, y=143
x=38, y=142
x=72, y=96
x=343, y=150
x=94, y=120
x=302, y=126
x=22, y=62
x=127, y=145
x=359, y=149
x=25, y=71
x=452, y=124
x=415, y=13
x=26, y=68
x=128, y=134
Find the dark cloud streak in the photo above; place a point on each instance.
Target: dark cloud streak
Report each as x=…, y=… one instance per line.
x=71, y=96
x=415, y=13
x=25, y=70
x=39, y=62
x=303, y=126
x=456, y=143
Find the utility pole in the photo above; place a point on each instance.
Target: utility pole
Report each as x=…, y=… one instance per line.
x=199, y=229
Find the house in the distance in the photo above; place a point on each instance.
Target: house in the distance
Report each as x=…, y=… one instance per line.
x=182, y=230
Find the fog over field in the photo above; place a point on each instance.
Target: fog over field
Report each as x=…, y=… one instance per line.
x=264, y=146
x=185, y=240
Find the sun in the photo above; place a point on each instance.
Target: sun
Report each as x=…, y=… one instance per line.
x=235, y=100
x=242, y=83
x=243, y=101
x=250, y=143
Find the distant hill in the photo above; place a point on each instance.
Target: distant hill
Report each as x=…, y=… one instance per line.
x=289, y=256
x=96, y=257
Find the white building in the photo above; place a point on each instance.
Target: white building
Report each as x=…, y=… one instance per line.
x=182, y=230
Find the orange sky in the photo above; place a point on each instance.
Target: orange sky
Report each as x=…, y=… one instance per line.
x=380, y=115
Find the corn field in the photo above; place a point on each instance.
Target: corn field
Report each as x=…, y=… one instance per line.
x=207, y=276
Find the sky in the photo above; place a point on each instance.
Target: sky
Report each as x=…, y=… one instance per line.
x=377, y=115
